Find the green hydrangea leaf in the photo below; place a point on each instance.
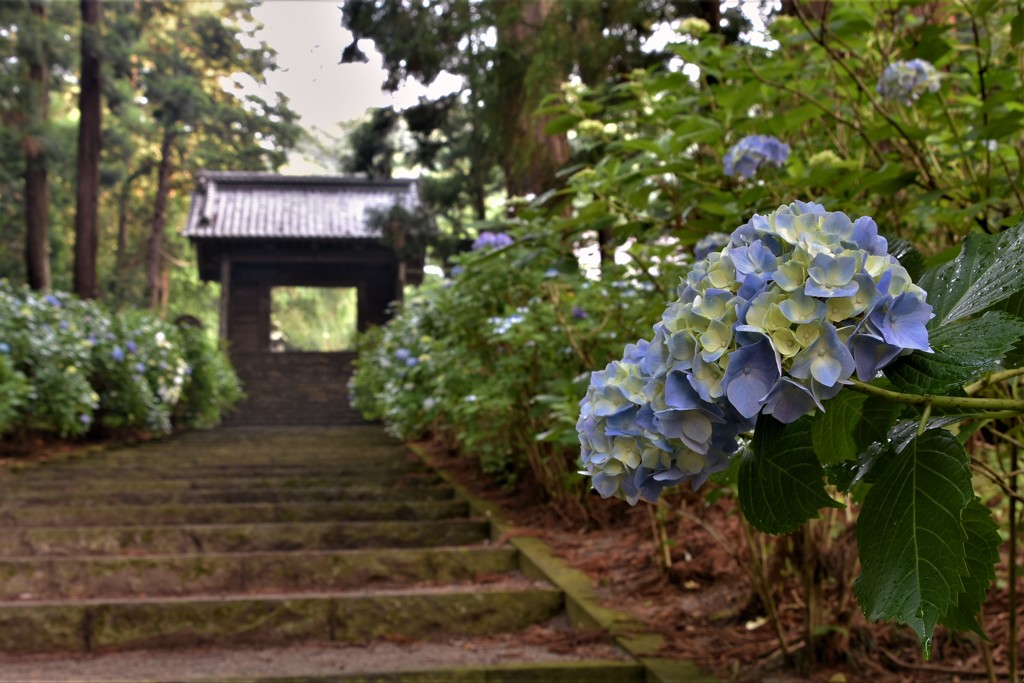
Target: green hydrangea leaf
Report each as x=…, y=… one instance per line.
x=911, y=538
x=1014, y=306
x=832, y=431
x=781, y=483
x=986, y=272
x=849, y=424
x=964, y=350
x=982, y=545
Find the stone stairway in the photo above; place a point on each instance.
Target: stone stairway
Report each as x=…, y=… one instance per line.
x=293, y=389
x=269, y=554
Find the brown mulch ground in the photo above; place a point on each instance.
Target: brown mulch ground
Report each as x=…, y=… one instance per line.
x=704, y=604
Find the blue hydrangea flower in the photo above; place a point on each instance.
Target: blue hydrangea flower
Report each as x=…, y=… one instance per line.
x=777, y=321
x=130, y=345
x=906, y=81
x=403, y=354
x=117, y=353
x=52, y=300
x=709, y=243
x=746, y=156
x=5, y=348
x=491, y=240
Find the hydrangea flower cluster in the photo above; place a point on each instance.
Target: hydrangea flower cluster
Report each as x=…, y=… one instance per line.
x=746, y=156
x=713, y=241
x=491, y=240
x=775, y=322
x=906, y=81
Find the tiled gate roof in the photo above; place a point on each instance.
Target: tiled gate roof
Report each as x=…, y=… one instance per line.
x=247, y=205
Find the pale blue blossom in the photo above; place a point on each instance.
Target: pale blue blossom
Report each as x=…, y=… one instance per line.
x=745, y=157
x=906, y=81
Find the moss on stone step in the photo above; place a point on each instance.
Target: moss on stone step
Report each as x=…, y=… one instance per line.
x=168, y=575
x=226, y=538
x=227, y=513
x=102, y=626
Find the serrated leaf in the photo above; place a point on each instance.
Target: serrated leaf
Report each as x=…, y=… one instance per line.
x=986, y=271
x=964, y=350
x=781, y=484
x=1014, y=306
x=832, y=431
x=982, y=545
x=910, y=535
x=904, y=431
x=876, y=419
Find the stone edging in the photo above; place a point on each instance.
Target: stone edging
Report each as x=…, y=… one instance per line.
x=581, y=603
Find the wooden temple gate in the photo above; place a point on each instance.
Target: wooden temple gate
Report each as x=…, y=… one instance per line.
x=256, y=231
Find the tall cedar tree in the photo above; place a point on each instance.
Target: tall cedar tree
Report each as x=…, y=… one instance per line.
x=37, y=190
x=89, y=143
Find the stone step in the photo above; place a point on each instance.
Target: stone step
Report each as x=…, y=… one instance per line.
x=100, y=486
x=103, y=625
x=228, y=513
x=234, y=538
x=85, y=470
x=253, y=572
x=332, y=494
x=362, y=459
x=469, y=660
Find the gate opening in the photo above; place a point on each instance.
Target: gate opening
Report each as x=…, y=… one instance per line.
x=313, y=318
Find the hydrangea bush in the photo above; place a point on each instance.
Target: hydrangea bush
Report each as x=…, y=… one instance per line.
x=648, y=172
x=750, y=361
x=69, y=367
x=495, y=356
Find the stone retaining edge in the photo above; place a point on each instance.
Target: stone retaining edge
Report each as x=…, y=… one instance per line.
x=581, y=602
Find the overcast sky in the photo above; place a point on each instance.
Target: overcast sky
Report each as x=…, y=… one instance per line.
x=309, y=38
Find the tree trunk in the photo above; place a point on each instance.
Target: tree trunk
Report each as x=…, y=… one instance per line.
x=530, y=157
x=89, y=141
x=155, y=250
x=37, y=188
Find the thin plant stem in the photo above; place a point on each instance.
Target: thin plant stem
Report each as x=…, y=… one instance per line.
x=925, y=414
x=663, y=553
x=986, y=656
x=966, y=403
x=759, y=577
x=1012, y=650
x=810, y=595
x=992, y=378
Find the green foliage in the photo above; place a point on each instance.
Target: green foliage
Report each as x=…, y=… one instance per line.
x=964, y=350
x=313, y=319
x=499, y=354
x=986, y=272
x=165, y=68
x=500, y=362
x=911, y=535
x=780, y=484
x=213, y=385
x=71, y=368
